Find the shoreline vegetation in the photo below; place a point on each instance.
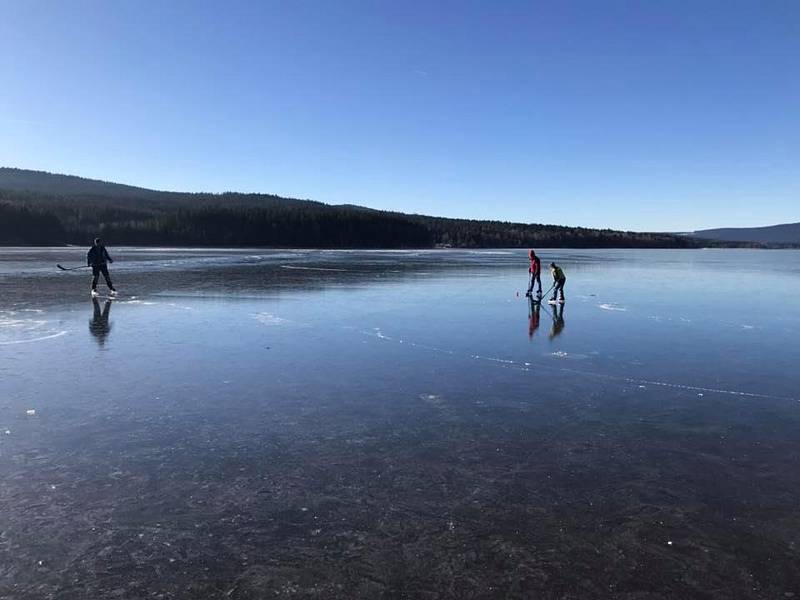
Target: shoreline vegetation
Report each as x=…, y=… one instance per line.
x=43, y=209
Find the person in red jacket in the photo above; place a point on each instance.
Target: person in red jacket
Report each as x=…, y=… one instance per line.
x=534, y=273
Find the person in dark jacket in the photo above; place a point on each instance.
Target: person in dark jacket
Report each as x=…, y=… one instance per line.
x=559, y=279
x=98, y=259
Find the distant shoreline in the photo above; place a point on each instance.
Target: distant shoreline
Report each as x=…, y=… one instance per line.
x=40, y=209
x=731, y=246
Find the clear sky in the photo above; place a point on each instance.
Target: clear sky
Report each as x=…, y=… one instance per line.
x=650, y=115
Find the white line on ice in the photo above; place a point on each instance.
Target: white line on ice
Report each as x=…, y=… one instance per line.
x=529, y=367
x=39, y=339
x=309, y=268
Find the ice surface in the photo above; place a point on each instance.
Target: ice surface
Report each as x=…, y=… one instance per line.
x=612, y=306
x=351, y=428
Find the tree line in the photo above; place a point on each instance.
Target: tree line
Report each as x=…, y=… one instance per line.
x=36, y=218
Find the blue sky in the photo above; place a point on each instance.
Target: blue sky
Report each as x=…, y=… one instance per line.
x=633, y=115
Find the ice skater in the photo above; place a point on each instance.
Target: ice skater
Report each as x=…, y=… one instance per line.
x=534, y=273
x=559, y=279
x=98, y=259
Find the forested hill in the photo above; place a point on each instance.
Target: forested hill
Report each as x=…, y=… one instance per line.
x=22, y=180
x=38, y=208
x=788, y=233
x=49, y=185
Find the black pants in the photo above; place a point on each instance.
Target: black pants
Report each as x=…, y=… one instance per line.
x=559, y=287
x=96, y=270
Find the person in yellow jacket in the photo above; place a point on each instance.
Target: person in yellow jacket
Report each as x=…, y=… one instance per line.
x=559, y=279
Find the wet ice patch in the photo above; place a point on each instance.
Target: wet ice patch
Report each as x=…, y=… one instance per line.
x=380, y=335
x=661, y=319
x=180, y=306
x=266, y=318
x=612, y=306
x=432, y=399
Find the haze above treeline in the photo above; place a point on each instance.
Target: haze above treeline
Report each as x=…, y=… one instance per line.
x=39, y=208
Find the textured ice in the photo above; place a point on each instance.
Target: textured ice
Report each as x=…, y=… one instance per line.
x=416, y=436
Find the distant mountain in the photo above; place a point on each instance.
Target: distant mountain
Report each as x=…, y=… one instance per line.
x=38, y=208
x=788, y=233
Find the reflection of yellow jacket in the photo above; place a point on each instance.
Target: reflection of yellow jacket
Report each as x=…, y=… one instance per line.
x=557, y=273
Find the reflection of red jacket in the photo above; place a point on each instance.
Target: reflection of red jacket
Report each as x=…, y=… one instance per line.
x=533, y=322
x=536, y=266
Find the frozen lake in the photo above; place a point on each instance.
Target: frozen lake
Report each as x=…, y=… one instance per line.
x=326, y=424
